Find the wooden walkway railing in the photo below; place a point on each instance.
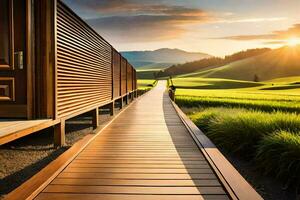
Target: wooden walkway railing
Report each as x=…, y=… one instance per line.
x=146, y=153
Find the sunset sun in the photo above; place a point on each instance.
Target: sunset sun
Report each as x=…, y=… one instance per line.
x=293, y=41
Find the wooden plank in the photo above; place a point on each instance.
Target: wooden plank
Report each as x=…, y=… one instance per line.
x=145, y=153
x=64, y=196
x=160, y=166
x=145, y=162
x=130, y=182
x=141, y=159
x=132, y=176
x=132, y=190
x=12, y=126
x=22, y=128
x=139, y=170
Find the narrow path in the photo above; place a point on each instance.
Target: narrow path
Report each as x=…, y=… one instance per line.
x=145, y=154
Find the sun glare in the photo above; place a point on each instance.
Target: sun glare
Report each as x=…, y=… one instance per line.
x=293, y=41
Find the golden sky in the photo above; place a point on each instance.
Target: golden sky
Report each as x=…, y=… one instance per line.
x=217, y=27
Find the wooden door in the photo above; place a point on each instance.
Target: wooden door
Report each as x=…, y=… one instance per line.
x=15, y=93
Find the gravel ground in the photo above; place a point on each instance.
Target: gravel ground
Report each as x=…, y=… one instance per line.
x=22, y=158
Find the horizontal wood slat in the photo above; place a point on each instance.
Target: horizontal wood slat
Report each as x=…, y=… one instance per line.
x=134, y=83
x=117, y=74
x=84, y=60
x=123, y=76
x=129, y=77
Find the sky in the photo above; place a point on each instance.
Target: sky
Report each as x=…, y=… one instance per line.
x=216, y=27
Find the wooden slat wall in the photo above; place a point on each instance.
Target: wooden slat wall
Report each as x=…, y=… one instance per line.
x=129, y=77
x=123, y=76
x=116, y=74
x=134, y=79
x=84, y=76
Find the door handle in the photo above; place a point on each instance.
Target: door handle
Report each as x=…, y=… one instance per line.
x=19, y=59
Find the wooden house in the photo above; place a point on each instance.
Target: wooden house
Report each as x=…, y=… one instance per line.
x=53, y=66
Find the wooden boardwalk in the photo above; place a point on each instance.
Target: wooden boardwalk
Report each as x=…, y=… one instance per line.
x=147, y=153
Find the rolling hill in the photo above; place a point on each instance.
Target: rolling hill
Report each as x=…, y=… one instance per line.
x=213, y=62
x=161, y=58
x=282, y=62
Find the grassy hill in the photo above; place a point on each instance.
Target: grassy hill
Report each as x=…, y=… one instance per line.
x=154, y=66
x=213, y=62
x=277, y=63
x=161, y=58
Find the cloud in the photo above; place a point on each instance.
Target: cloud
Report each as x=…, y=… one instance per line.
x=117, y=7
x=251, y=20
x=134, y=21
x=142, y=27
x=150, y=20
x=292, y=32
x=281, y=42
x=250, y=37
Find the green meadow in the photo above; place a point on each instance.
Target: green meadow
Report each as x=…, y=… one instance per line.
x=259, y=121
x=276, y=95
x=146, y=84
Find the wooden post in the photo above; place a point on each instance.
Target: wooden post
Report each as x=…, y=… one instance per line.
x=112, y=108
x=59, y=134
x=126, y=99
x=121, y=102
x=172, y=94
x=134, y=95
x=95, y=118
x=131, y=96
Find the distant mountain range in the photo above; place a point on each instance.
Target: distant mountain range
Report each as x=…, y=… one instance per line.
x=161, y=58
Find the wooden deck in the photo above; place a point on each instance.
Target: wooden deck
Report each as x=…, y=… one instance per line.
x=146, y=153
x=11, y=129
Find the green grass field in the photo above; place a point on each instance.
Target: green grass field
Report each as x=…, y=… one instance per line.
x=258, y=120
x=146, y=83
x=277, y=94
